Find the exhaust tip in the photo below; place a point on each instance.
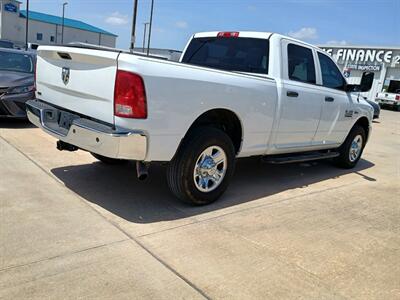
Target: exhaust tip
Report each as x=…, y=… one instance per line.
x=143, y=177
x=61, y=146
x=142, y=170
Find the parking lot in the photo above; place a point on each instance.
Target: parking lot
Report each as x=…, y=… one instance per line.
x=71, y=227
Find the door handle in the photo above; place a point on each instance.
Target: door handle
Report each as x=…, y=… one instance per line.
x=292, y=94
x=329, y=99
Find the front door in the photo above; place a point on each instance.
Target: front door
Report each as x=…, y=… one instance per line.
x=336, y=114
x=300, y=109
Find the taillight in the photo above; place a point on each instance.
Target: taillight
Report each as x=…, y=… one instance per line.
x=129, y=96
x=398, y=97
x=228, y=34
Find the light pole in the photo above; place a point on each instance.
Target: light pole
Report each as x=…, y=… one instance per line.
x=144, y=34
x=62, y=27
x=27, y=25
x=133, y=33
x=151, y=22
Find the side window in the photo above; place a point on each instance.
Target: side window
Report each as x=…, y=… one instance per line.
x=301, y=64
x=331, y=76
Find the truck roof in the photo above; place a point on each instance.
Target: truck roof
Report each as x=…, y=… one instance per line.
x=252, y=34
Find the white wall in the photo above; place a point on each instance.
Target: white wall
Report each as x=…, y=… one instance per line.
x=77, y=35
x=12, y=27
x=108, y=40
x=46, y=29
x=70, y=35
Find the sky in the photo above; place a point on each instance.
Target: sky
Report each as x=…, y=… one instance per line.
x=356, y=22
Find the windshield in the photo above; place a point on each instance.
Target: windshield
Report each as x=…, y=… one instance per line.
x=231, y=54
x=17, y=62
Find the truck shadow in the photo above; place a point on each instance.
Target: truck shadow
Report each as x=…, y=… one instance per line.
x=116, y=188
x=10, y=123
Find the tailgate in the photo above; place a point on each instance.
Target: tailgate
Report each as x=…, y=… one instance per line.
x=387, y=96
x=78, y=79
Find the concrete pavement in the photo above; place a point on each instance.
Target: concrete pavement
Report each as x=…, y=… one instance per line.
x=73, y=228
x=53, y=245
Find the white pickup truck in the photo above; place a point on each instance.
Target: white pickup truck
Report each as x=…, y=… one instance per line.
x=391, y=97
x=232, y=95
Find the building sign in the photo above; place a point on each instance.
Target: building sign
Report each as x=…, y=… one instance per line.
x=10, y=7
x=364, y=55
x=364, y=67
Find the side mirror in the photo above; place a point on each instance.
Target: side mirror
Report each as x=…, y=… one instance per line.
x=367, y=80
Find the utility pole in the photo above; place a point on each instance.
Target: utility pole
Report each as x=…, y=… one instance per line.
x=62, y=28
x=133, y=34
x=27, y=25
x=144, y=34
x=151, y=22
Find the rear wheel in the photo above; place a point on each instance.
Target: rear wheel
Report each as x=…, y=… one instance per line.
x=108, y=160
x=352, y=148
x=201, y=170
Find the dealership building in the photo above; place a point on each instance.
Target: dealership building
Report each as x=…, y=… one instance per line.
x=384, y=62
x=45, y=29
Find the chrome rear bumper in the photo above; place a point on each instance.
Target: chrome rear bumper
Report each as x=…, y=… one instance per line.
x=87, y=134
x=388, y=102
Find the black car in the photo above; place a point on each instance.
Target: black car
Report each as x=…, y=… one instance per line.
x=376, y=107
x=17, y=85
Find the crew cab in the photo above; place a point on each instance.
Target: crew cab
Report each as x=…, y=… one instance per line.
x=391, y=97
x=232, y=95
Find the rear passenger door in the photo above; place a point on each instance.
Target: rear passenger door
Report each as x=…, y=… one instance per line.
x=335, y=122
x=300, y=106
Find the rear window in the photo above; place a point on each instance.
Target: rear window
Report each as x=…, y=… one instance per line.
x=16, y=62
x=6, y=44
x=231, y=54
x=394, y=87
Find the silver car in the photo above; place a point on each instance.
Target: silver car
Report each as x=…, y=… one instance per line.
x=17, y=83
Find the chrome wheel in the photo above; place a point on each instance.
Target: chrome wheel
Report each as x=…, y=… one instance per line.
x=355, y=148
x=210, y=169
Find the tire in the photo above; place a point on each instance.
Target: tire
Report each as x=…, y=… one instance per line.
x=192, y=175
x=349, y=160
x=108, y=160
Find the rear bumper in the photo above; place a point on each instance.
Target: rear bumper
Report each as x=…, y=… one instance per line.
x=87, y=134
x=388, y=102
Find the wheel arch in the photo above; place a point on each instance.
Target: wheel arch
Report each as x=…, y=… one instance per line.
x=365, y=124
x=222, y=118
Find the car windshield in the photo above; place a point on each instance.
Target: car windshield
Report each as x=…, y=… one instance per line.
x=231, y=54
x=17, y=62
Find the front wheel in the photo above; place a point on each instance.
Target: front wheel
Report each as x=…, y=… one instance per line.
x=203, y=166
x=352, y=148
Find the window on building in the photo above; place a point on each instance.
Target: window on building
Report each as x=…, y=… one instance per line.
x=331, y=76
x=301, y=64
x=39, y=36
x=52, y=39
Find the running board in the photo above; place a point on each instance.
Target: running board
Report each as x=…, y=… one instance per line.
x=287, y=159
